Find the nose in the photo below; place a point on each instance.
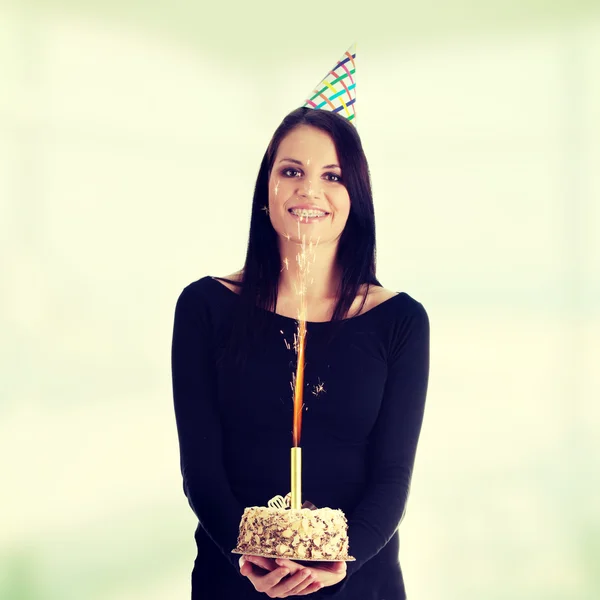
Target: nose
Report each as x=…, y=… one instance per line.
x=306, y=189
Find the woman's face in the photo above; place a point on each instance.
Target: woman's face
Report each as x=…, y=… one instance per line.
x=307, y=195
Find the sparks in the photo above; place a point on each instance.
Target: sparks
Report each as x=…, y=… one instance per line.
x=319, y=388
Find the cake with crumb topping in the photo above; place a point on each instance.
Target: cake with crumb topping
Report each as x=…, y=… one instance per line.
x=318, y=534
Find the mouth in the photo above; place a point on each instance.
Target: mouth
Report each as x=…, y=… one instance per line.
x=308, y=215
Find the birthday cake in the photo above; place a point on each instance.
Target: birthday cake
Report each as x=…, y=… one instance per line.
x=317, y=534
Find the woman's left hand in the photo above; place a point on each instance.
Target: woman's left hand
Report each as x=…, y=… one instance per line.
x=325, y=573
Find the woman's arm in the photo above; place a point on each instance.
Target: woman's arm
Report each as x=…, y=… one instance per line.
x=393, y=444
x=198, y=426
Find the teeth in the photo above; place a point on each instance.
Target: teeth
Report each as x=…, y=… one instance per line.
x=303, y=212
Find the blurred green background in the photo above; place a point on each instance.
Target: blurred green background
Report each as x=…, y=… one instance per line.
x=130, y=137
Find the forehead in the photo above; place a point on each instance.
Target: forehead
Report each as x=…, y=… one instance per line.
x=305, y=142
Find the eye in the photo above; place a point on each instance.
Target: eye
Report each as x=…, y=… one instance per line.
x=334, y=177
x=290, y=172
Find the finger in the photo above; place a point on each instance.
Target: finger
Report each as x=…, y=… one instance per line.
x=338, y=566
x=301, y=582
x=267, y=582
x=256, y=575
x=246, y=569
x=311, y=589
x=264, y=563
x=252, y=571
x=285, y=587
x=289, y=564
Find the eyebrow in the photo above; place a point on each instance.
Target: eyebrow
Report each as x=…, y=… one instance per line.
x=298, y=162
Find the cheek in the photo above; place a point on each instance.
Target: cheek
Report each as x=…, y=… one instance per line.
x=343, y=205
x=276, y=191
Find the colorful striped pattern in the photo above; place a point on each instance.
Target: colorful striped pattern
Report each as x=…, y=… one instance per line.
x=337, y=90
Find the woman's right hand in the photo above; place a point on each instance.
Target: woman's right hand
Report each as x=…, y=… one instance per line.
x=275, y=581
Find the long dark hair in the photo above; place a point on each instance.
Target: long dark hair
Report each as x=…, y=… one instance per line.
x=356, y=247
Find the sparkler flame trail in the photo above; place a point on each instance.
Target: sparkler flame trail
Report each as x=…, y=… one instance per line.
x=304, y=259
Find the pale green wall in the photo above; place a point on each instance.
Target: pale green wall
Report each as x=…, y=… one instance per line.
x=130, y=137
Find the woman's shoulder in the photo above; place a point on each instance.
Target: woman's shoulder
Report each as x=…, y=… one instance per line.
x=231, y=282
x=207, y=282
x=399, y=304
x=378, y=295
x=209, y=289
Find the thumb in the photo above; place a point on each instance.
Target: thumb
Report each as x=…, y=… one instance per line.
x=338, y=567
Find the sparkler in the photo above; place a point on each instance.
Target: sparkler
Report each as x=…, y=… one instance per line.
x=303, y=259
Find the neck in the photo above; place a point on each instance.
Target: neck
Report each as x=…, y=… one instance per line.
x=323, y=278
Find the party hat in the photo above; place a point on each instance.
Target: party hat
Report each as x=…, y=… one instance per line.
x=337, y=90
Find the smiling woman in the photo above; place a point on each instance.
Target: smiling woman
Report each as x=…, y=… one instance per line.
x=367, y=365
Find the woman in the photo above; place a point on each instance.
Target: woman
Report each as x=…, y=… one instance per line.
x=367, y=364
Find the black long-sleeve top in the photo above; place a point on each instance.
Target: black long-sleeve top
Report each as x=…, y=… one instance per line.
x=364, y=401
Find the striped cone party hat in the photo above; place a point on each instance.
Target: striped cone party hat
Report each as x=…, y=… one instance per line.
x=337, y=90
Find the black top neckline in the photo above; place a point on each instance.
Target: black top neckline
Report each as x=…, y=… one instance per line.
x=312, y=323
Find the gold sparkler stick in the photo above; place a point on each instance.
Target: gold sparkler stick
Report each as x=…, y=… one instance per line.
x=296, y=456
x=296, y=453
